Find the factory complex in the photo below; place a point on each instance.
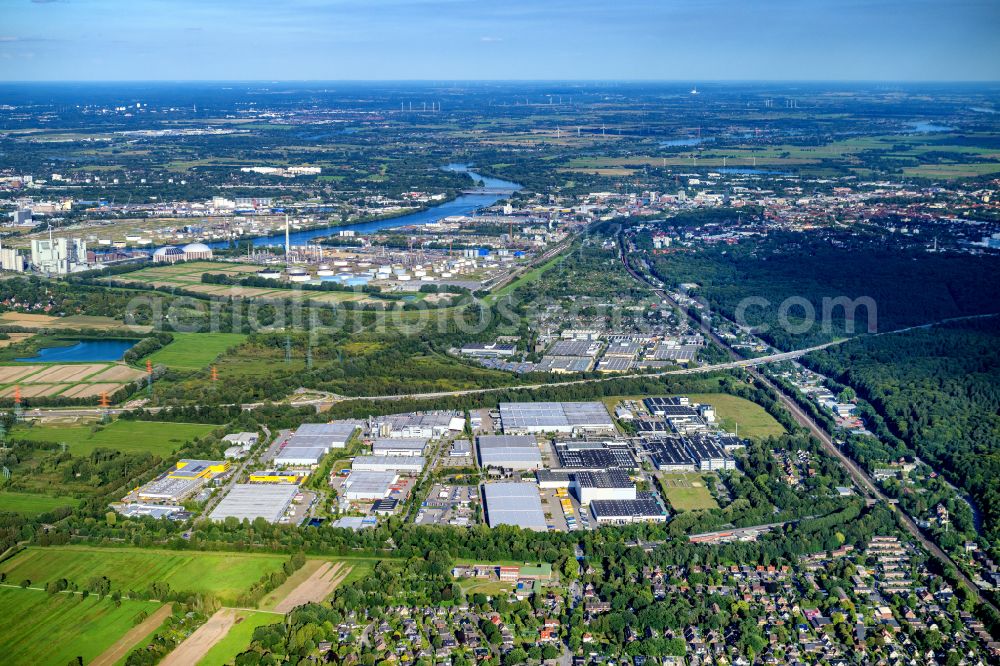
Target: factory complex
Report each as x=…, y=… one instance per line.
x=547, y=466
x=567, y=466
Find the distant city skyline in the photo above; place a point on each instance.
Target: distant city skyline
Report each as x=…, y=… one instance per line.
x=845, y=40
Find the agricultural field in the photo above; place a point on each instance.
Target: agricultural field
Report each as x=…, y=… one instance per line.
x=65, y=380
x=72, y=322
x=921, y=156
x=40, y=629
x=161, y=439
x=687, y=492
x=32, y=504
x=238, y=638
x=14, y=338
x=225, y=575
x=194, y=351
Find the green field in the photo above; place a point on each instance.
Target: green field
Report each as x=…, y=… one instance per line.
x=32, y=504
x=239, y=637
x=687, y=492
x=732, y=410
x=194, y=351
x=40, y=629
x=161, y=439
x=226, y=575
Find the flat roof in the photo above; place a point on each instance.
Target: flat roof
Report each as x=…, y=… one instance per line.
x=516, y=415
x=602, y=458
x=391, y=462
x=509, y=451
x=574, y=348
x=669, y=452
x=297, y=453
x=400, y=444
x=550, y=363
x=609, y=479
x=321, y=434
x=369, y=482
x=644, y=505
x=171, y=488
x=254, y=500
x=517, y=504
x=615, y=363
x=706, y=449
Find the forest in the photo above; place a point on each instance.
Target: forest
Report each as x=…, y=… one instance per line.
x=908, y=285
x=938, y=390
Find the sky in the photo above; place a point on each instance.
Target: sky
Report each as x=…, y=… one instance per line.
x=682, y=40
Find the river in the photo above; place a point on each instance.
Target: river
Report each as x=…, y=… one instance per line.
x=461, y=205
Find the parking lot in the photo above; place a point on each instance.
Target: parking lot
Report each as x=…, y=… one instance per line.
x=553, y=510
x=300, y=507
x=449, y=505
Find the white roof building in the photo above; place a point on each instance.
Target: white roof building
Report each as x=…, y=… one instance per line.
x=554, y=417
x=256, y=500
x=402, y=464
x=363, y=485
x=514, y=452
x=517, y=504
x=409, y=446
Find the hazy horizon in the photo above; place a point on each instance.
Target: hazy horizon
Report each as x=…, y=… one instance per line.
x=453, y=40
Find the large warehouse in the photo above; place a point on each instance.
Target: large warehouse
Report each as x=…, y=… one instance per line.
x=514, y=452
x=644, y=508
x=312, y=441
x=402, y=464
x=610, y=485
x=689, y=454
x=517, y=504
x=184, y=480
x=402, y=446
x=525, y=418
x=254, y=500
x=360, y=486
x=594, y=456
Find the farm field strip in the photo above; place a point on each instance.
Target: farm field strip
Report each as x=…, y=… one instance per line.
x=120, y=649
x=317, y=587
x=41, y=321
x=39, y=628
x=226, y=575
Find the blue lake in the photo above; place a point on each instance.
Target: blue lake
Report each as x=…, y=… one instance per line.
x=925, y=127
x=82, y=351
x=693, y=141
x=752, y=171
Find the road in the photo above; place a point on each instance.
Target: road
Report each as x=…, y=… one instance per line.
x=860, y=477
x=233, y=478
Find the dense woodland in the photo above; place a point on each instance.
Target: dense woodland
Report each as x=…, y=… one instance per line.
x=909, y=285
x=939, y=391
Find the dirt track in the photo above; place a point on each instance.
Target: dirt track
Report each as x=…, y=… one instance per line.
x=124, y=645
x=315, y=588
x=197, y=645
